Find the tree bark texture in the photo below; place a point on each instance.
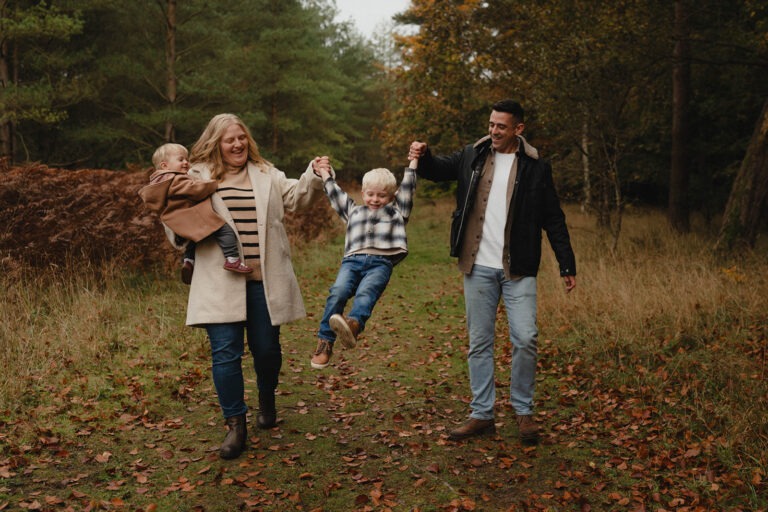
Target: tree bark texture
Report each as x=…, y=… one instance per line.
x=678, y=209
x=748, y=200
x=170, y=66
x=6, y=127
x=587, y=174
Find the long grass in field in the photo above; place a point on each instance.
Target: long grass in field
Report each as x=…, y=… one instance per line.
x=75, y=320
x=660, y=340
x=664, y=313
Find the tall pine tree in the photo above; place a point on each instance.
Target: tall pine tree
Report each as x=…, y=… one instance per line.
x=36, y=86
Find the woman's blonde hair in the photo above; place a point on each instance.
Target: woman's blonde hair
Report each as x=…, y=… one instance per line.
x=381, y=178
x=207, y=149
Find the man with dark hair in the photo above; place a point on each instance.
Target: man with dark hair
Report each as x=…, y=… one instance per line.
x=505, y=197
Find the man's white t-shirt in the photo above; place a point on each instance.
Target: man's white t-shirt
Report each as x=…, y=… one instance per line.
x=491, y=249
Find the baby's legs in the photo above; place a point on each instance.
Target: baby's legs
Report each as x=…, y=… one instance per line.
x=227, y=240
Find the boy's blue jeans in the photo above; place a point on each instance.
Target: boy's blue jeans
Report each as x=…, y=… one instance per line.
x=483, y=289
x=228, y=346
x=362, y=276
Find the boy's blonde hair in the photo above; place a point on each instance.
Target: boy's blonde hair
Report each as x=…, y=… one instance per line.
x=161, y=153
x=382, y=178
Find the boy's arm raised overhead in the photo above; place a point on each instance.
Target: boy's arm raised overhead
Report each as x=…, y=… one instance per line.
x=407, y=189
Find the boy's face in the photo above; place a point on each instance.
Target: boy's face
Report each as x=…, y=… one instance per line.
x=375, y=197
x=177, y=161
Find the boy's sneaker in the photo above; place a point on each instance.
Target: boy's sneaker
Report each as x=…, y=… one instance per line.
x=346, y=330
x=186, y=272
x=322, y=356
x=237, y=266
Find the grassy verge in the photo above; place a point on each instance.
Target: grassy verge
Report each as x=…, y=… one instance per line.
x=651, y=393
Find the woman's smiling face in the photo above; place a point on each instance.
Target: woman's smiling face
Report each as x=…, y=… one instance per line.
x=234, y=146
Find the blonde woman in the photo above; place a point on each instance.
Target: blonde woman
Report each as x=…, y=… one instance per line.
x=252, y=196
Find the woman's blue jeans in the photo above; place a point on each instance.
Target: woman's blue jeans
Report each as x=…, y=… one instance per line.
x=362, y=276
x=482, y=290
x=228, y=346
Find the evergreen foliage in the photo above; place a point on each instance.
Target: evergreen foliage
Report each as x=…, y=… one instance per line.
x=97, y=83
x=90, y=86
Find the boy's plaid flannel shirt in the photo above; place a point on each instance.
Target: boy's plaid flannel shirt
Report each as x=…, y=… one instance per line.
x=381, y=229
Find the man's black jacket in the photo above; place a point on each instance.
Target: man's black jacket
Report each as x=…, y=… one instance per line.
x=535, y=205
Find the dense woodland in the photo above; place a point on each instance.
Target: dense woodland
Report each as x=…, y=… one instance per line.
x=635, y=101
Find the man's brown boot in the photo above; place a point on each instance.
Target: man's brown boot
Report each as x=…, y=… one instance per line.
x=473, y=427
x=528, y=429
x=346, y=330
x=322, y=356
x=234, y=442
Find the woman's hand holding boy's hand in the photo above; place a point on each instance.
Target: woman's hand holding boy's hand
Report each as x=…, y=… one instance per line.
x=321, y=165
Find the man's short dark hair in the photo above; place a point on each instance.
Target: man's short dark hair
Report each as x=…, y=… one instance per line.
x=510, y=107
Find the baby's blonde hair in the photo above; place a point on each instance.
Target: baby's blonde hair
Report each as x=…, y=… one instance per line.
x=161, y=153
x=382, y=178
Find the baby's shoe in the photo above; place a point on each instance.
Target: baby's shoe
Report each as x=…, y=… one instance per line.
x=237, y=266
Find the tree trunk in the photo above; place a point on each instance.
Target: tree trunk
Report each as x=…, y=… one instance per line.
x=618, y=204
x=170, y=67
x=678, y=209
x=6, y=128
x=613, y=192
x=586, y=203
x=610, y=209
x=275, y=133
x=749, y=195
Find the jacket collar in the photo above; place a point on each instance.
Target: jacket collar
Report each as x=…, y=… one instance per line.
x=530, y=151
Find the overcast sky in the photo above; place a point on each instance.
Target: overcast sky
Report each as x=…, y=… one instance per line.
x=368, y=14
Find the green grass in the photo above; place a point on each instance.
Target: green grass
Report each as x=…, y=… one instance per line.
x=651, y=390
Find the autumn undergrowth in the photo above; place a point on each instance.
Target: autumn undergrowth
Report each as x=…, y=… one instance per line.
x=651, y=390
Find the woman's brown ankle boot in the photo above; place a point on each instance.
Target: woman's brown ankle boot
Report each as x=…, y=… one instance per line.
x=234, y=442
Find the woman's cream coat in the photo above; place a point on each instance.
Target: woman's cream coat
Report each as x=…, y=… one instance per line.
x=218, y=296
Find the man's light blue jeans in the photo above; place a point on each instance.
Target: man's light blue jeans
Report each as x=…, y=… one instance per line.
x=483, y=289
